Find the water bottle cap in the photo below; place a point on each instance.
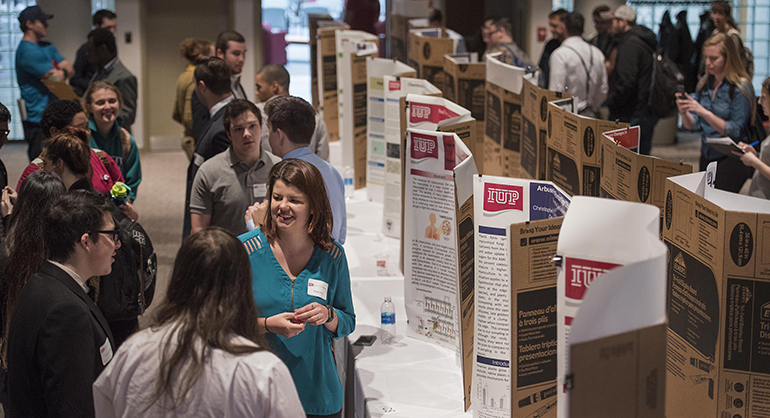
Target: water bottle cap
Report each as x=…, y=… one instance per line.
x=387, y=298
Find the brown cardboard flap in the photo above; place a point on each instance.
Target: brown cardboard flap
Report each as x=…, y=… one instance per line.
x=620, y=376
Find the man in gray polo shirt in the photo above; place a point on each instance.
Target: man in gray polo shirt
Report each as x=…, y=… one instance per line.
x=228, y=183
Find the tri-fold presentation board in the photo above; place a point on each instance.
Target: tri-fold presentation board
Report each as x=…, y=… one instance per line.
x=403, y=11
x=427, y=48
x=377, y=120
x=353, y=48
x=327, y=78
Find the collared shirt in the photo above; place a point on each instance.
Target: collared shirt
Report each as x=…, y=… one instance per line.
x=335, y=188
x=235, y=86
x=222, y=103
x=319, y=142
x=730, y=105
x=571, y=64
x=72, y=274
x=225, y=187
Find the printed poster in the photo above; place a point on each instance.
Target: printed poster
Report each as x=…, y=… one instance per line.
x=376, y=70
x=499, y=202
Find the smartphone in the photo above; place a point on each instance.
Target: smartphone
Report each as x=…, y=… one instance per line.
x=680, y=90
x=365, y=340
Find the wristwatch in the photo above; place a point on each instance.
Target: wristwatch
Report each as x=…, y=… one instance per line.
x=331, y=313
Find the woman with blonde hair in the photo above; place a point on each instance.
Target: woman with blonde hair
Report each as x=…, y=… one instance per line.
x=192, y=50
x=760, y=183
x=103, y=102
x=723, y=105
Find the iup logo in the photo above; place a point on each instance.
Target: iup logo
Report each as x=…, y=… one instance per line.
x=421, y=112
x=424, y=112
x=424, y=146
x=394, y=85
x=498, y=197
x=581, y=273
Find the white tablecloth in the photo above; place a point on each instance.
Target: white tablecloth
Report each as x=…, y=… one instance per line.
x=410, y=378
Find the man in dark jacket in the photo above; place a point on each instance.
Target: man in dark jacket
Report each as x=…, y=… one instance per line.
x=630, y=75
x=557, y=24
x=212, y=86
x=104, y=53
x=85, y=69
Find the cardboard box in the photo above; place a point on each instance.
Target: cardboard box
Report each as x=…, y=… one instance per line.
x=534, y=137
x=573, y=150
x=427, y=48
x=327, y=80
x=314, y=21
x=533, y=318
x=718, y=301
x=633, y=177
x=464, y=82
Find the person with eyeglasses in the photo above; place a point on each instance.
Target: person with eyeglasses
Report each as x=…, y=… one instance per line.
x=58, y=340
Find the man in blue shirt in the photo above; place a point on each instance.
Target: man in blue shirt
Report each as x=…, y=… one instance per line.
x=290, y=124
x=37, y=60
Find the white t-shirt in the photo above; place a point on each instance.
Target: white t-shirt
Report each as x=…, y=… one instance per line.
x=251, y=385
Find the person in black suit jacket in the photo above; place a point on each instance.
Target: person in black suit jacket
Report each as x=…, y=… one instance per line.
x=212, y=86
x=58, y=341
x=104, y=53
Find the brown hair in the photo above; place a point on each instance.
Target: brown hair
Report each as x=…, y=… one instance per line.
x=766, y=87
x=98, y=85
x=191, y=49
x=735, y=73
x=71, y=148
x=210, y=299
x=723, y=7
x=308, y=180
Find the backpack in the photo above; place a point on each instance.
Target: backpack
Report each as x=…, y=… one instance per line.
x=128, y=290
x=755, y=132
x=666, y=79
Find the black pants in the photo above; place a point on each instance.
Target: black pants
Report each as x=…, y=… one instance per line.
x=337, y=415
x=731, y=173
x=121, y=330
x=33, y=134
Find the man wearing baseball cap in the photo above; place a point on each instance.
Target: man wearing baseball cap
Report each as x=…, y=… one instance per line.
x=37, y=60
x=630, y=76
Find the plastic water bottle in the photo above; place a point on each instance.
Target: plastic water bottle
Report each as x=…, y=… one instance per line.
x=347, y=178
x=388, y=320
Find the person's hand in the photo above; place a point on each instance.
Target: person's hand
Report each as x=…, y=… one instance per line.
x=282, y=324
x=56, y=74
x=685, y=103
x=6, y=207
x=313, y=313
x=256, y=213
x=128, y=210
x=125, y=142
x=748, y=156
x=11, y=194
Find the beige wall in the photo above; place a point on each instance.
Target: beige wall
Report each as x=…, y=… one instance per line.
x=70, y=25
x=166, y=24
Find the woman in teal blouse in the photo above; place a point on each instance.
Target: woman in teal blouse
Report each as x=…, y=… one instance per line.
x=103, y=102
x=302, y=284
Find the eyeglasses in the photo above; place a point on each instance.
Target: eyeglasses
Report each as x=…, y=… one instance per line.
x=114, y=233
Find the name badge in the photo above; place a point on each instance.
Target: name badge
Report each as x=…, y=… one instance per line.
x=317, y=288
x=260, y=190
x=106, y=351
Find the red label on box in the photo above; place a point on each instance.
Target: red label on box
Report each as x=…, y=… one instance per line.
x=581, y=273
x=499, y=197
x=423, y=112
x=394, y=85
x=424, y=146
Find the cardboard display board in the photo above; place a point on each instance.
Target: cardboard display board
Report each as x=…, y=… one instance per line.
x=464, y=82
x=534, y=137
x=590, y=249
x=327, y=79
x=437, y=280
x=427, y=48
x=402, y=12
x=396, y=90
x=353, y=47
x=502, y=119
x=633, y=177
x=376, y=121
x=533, y=317
x=314, y=21
x=718, y=301
x=574, y=150
x=499, y=202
